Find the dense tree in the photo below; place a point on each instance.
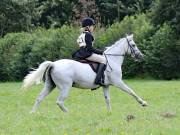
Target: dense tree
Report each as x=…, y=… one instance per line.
x=25, y=15
x=167, y=11
x=85, y=8
x=113, y=10
x=15, y=16
x=54, y=13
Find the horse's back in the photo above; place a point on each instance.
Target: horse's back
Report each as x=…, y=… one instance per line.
x=69, y=64
x=66, y=69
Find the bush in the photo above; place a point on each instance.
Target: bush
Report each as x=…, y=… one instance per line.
x=23, y=51
x=9, y=47
x=163, y=59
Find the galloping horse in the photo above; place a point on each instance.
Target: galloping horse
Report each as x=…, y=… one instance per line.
x=66, y=73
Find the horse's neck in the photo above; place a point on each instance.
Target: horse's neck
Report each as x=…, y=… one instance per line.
x=119, y=48
x=116, y=60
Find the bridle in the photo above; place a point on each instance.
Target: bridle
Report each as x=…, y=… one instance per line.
x=122, y=55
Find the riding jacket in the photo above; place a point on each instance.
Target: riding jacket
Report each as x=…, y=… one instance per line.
x=85, y=41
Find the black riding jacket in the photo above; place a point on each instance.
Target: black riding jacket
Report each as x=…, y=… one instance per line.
x=86, y=49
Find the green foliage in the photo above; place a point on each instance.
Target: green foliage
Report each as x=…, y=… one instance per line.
x=139, y=25
x=10, y=46
x=16, y=16
x=23, y=51
x=27, y=15
x=111, y=10
x=163, y=54
x=167, y=11
x=54, y=13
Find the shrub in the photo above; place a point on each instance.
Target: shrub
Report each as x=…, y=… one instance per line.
x=23, y=51
x=163, y=59
x=9, y=47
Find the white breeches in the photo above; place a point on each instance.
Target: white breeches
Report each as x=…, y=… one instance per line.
x=97, y=58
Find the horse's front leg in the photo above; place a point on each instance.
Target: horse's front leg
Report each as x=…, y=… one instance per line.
x=120, y=84
x=107, y=97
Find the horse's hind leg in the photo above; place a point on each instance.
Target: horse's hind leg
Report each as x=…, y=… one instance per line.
x=63, y=95
x=48, y=87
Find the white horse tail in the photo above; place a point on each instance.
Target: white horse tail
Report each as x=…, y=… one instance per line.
x=36, y=75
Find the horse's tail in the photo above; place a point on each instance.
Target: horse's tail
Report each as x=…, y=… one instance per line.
x=36, y=75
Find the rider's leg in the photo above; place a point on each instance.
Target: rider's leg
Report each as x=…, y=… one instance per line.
x=100, y=74
x=97, y=58
x=102, y=60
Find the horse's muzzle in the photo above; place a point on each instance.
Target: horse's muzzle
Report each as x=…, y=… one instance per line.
x=139, y=57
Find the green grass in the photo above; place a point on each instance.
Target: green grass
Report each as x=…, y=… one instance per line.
x=87, y=111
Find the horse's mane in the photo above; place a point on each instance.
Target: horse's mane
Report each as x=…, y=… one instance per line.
x=114, y=45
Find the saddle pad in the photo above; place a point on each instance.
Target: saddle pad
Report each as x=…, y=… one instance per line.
x=93, y=65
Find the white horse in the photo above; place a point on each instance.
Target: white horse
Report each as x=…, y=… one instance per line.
x=66, y=73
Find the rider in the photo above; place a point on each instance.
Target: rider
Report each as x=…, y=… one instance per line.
x=86, y=50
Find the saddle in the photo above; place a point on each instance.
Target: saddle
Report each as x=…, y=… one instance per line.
x=93, y=65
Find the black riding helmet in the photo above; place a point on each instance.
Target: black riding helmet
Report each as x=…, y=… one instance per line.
x=88, y=22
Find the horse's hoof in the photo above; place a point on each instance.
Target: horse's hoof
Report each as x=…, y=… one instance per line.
x=109, y=113
x=65, y=110
x=144, y=103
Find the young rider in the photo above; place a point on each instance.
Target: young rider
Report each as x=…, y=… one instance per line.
x=86, y=50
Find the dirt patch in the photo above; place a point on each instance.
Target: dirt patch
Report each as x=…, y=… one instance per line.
x=130, y=117
x=168, y=114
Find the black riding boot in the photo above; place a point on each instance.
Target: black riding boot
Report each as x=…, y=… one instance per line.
x=100, y=74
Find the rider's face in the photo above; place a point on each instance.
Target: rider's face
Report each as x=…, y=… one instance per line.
x=91, y=28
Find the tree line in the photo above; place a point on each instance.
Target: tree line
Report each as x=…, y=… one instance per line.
x=27, y=15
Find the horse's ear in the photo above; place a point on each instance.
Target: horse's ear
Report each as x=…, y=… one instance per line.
x=129, y=35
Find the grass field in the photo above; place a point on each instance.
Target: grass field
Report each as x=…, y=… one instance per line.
x=87, y=111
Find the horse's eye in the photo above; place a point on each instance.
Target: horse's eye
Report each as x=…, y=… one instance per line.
x=133, y=45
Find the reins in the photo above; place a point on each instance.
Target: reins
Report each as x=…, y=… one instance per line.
x=122, y=55
x=111, y=55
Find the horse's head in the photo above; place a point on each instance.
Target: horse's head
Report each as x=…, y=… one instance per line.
x=132, y=48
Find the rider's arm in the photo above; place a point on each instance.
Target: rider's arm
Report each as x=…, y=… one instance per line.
x=89, y=39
